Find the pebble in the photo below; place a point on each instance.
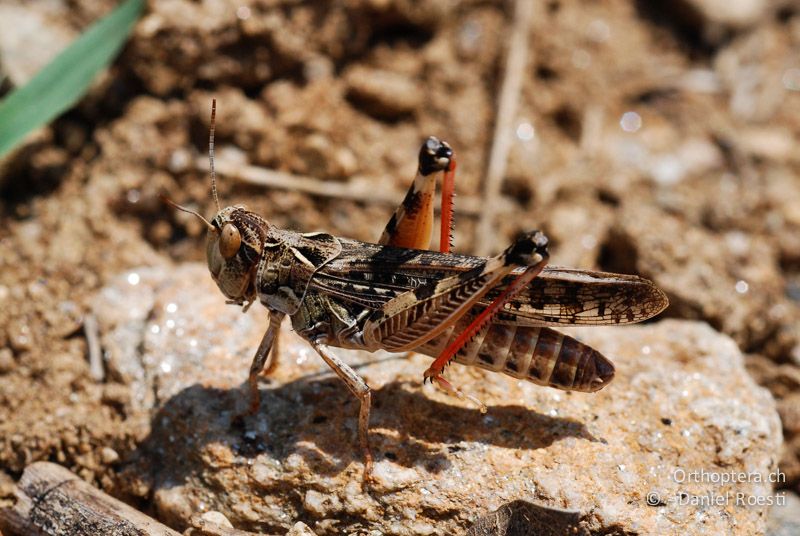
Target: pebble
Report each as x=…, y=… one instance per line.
x=7, y=362
x=18, y=23
x=383, y=93
x=737, y=15
x=300, y=529
x=320, y=504
x=109, y=455
x=19, y=336
x=218, y=518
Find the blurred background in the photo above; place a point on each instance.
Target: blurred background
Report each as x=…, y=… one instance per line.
x=656, y=138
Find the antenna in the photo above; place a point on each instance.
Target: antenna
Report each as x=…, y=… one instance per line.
x=213, y=174
x=211, y=152
x=189, y=211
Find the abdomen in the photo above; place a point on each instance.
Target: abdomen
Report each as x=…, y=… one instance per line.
x=537, y=354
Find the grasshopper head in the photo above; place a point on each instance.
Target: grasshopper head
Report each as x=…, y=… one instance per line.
x=234, y=243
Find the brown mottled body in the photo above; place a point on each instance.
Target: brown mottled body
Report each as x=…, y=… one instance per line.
x=489, y=312
x=344, y=293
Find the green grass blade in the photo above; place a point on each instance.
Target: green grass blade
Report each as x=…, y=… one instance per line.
x=63, y=81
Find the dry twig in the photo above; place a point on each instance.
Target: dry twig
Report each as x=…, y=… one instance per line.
x=51, y=500
x=360, y=191
x=508, y=100
x=91, y=330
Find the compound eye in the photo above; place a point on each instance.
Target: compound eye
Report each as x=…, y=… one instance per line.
x=229, y=241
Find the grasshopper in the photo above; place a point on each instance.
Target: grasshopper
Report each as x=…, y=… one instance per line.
x=491, y=312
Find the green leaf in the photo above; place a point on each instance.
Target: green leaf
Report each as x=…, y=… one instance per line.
x=63, y=81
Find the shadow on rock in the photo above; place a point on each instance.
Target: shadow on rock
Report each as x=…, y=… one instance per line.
x=194, y=433
x=522, y=518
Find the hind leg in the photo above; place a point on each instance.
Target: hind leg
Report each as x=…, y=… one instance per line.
x=412, y=223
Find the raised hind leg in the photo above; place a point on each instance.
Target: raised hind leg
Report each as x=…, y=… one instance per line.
x=412, y=223
x=413, y=318
x=434, y=372
x=411, y=226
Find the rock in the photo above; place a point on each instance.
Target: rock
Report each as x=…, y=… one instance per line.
x=382, y=93
x=766, y=143
x=45, y=20
x=784, y=517
x=732, y=281
x=734, y=15
x=522, y=517
x=109, y=455
x=151, y=342
x=783, y=381
x=7, y=362
x=317, y=156
x=239, y=118
x=217, y=518
x=638, y=457
x=300, y=529
x=213, y=523
x=789, y=410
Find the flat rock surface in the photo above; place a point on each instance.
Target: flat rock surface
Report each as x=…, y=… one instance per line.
x=647, y=455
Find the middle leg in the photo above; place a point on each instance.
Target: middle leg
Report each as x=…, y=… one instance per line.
x=359, y=388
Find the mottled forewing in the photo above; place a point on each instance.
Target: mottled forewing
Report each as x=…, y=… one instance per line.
x=564, y=296
x=371, y=275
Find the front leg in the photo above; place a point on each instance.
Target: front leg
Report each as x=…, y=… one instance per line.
x=358, y=387
x=412, y=222
x=265, y=359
